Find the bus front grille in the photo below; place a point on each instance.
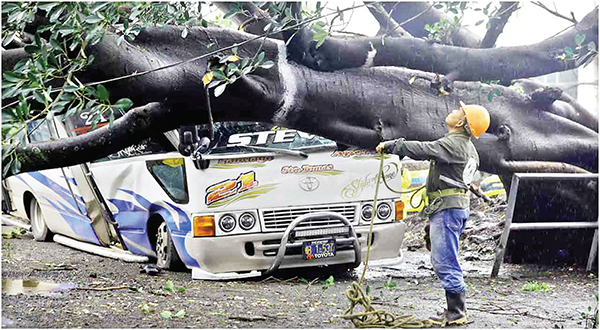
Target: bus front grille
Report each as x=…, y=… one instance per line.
x=279, y=219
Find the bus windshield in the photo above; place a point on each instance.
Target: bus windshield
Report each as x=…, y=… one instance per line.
x=234, y=137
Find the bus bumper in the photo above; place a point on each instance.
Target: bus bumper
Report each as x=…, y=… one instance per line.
x=244, y=256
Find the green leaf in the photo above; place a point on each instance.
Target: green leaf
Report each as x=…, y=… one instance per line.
x=231, y=69
x=368, y=289
x=438, y=6
x=38, y=97
x=568, y=50
x=124, y=104
x=592, y=46
x=71, y=89
x=180, y=314
x=260, y=57
x=17, y=15
x=479, y=22
x=219, y=75
x=579, y=39
x=8, y=7
x=181, y=290
x=215, y=83
x=11, y=77
x=145, y=309
x=453, y=10
x=9, y=37
x=93, y=19
x=102, y=93
x=169, y=286
x=267, y=65
x=166, y=315
x=6, y=168
x=15, y=167
x=54, y=16
x=47, y=6
x=497, y=90
x=98, y=5
x=490, y=96
x=31, y=49
x=95, y=35
x=220, y=89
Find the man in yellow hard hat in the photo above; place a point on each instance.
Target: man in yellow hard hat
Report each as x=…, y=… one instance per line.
x=453, y=162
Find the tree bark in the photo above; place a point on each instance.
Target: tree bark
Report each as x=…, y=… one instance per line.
x=354, y=106
x=503, y=63
x=134, y=126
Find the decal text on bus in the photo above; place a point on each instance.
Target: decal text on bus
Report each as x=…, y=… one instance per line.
x=230, y=187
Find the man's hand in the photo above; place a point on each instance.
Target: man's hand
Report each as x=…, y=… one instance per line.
x=380, y=147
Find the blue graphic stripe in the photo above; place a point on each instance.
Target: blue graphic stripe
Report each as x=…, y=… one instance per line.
x=81, y=225
x=61, y=191
x=177, y=234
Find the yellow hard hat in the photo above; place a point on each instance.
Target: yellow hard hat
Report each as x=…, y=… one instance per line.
x=478, y=119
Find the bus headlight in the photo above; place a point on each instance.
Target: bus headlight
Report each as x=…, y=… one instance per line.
x=384, y=210
x=247, y=221
x=227, y=223
x=367, y=212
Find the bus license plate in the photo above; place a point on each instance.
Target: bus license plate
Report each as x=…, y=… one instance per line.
x=318, y=249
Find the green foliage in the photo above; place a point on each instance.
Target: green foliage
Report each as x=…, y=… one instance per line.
x=227, y=68
x=389, y=284
x=328, y=282
x=590, y=316
x=583, y=54
x=535, y=286
x=169, y=286
x=14, y=233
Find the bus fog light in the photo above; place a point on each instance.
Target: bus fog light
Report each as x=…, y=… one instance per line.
x=204, y=226
x=384, y=210
x=247, y=221
x=227, y=223
x=367, y=212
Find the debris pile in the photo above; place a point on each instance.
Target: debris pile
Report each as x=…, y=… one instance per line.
x=480, y=236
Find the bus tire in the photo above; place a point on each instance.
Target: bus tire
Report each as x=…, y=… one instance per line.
x=166, y=253
x=40, y=231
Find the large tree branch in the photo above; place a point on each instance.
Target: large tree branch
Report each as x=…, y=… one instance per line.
x=504, y=63
x=353, y=106
x=403, y=11
x=497, y=24
x=133, y=127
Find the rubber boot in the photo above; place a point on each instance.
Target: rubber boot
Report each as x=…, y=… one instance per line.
x=455, y=314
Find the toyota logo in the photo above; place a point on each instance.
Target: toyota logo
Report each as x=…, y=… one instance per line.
x=309, y=183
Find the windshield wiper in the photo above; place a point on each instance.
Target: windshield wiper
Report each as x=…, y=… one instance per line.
x=275, y=150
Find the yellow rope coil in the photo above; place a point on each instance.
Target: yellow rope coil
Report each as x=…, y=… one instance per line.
x=370, y=317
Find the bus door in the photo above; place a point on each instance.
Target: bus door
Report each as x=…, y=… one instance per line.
x=102, y=221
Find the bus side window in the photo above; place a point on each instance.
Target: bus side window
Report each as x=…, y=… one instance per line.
x=170, y=175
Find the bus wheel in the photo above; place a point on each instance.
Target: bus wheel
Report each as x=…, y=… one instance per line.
x=166, y=254
x=40, y=231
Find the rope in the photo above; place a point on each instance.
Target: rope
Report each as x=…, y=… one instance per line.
x=415, y=191
x=370, y=317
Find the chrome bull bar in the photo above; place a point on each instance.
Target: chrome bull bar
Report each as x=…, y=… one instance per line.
x=285, y=244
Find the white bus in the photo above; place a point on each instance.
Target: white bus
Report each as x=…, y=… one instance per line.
x=260, y=198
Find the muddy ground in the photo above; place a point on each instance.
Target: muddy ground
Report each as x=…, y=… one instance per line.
x=97, y=292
